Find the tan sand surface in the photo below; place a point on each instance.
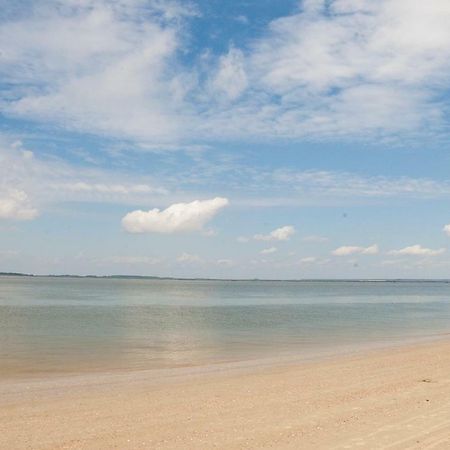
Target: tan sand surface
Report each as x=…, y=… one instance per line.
x=385, y=399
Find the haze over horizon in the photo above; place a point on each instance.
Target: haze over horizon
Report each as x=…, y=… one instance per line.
x=302, y=139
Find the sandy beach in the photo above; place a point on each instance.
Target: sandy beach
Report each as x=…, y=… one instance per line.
x=393, y=398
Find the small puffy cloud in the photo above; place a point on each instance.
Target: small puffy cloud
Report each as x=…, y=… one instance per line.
x=280, y=234
x=15, y=204
x=268, y=251
x=242, y=239
x=446, y=229
x=417, y=250
x=371, y=250
x=347, y=250
x=188, y=258
x=179, y=217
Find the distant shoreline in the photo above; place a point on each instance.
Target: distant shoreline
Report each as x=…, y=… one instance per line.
x=292, y=280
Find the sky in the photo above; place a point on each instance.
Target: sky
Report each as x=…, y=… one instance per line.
x=237, y=139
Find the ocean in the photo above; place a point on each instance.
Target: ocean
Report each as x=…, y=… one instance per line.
x=51, y=326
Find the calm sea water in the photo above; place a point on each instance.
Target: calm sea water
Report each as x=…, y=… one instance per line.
x=54, y=325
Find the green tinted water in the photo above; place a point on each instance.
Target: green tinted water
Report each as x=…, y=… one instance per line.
x=53, y=325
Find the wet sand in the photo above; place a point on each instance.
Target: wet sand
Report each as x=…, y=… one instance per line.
x=395, y=398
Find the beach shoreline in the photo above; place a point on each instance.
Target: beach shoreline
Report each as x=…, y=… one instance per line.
x=28, y=373
x=397, y=397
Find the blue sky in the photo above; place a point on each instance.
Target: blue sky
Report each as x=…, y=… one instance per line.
x=242, y=139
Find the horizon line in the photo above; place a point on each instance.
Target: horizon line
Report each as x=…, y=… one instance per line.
x=154, y=277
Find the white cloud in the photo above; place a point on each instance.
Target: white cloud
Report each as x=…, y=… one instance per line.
x=38, y=182
x=446, y=229
x=341, y=69
x=242, y=239
x=352, y=250
x=356, y=66
x=231, y=79
x=97, y=66
x=417, y=250
x=50, y=180
x=178, y=217
x=335, y=69
x=188, y=258
x=268, y=251
x=15, y=204
x=113, y=188
x=280, y=234
x=344, y=184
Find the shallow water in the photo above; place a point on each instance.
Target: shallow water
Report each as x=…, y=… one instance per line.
x=60, y=325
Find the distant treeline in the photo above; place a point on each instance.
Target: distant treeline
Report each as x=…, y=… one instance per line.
x=304, y=280
x=15, y=274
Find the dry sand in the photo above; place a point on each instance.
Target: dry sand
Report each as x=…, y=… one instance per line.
x=397, y=399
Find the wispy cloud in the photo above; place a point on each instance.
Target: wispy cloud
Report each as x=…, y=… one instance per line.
x=29, y=183
x=314, y=260
x=446, y=229
x=15, y=204
x=290, y=187
x=279, y=234
x=43, y=181
x=331, y=70
x=230, y=79
x=112, y=188
x=188, y=258
x=353, y=250
x=339, y=69
x=417, y=250
x=97, y=66
x=268, y=251
x=340, y=184
x=358, y=66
